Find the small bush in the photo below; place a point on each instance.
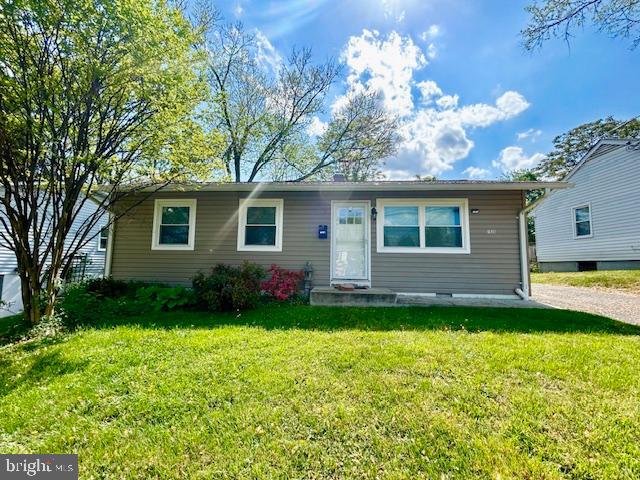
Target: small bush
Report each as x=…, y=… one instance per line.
x=283, y=284
x=81, y=307
x=48, y=327
x=107, y=287
x=229, y=288
x=162, y=298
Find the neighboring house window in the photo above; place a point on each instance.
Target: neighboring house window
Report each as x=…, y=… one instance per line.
x=421, y=225
x=260, y=225
x=582, y=221
x=174, y=223
x=103, y=238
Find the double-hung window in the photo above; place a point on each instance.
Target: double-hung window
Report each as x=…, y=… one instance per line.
x=582, y=221
x=103, y=239
x=260, y=225
x=423, y=225
x=174, y=222
x=443, y=227
x=401, y=226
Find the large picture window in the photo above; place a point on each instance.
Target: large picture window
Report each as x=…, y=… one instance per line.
x=260, y=225
x=423, y=225
x=174, y=224
x=582, y=221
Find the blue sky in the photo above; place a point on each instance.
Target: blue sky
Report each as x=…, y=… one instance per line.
x=472, y=102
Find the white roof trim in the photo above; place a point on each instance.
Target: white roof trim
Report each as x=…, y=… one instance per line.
x=603, y=141
x=361, y=186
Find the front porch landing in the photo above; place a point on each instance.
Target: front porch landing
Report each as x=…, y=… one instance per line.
x=384, y=297
x=370, y=296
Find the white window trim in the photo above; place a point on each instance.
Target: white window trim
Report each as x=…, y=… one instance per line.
x=575, y=223
x=100, y=249
x=421, y=203
x=157, y=218
x=242, y=223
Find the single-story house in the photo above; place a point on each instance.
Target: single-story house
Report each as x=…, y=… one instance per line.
x=453, y=238
x=596, y=224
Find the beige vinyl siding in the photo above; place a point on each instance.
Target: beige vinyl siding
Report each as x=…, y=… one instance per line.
x=491, y=268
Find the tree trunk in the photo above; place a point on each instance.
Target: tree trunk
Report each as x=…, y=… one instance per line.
x=30, y=297
x=51, y=293
x=236, y=164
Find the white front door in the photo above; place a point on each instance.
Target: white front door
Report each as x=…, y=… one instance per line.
x=350, y=243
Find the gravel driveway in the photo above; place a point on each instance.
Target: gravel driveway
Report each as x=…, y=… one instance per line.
x=620, y=306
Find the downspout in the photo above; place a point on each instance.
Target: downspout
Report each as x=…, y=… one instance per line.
x=525, y=291
x=109, y=253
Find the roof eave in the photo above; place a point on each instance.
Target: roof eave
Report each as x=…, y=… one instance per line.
x=372, y=186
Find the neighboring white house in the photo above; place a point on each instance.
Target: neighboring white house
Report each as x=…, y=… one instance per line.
x=596, y=224
x=89, y=263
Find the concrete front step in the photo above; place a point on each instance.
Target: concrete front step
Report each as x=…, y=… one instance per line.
x=370, y=296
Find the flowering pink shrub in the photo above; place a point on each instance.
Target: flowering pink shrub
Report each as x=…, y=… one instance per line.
x=282, y=284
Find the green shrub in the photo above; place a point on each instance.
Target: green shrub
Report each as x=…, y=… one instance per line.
x=166, y=298
x=228, y=287
x=48, y=327
x=81, y=307
x=107, y=287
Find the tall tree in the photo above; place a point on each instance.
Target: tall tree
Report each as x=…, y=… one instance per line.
x=561, y=18
x=571, y=146
x=530, y=196
x=265, y=109
x=91, y=92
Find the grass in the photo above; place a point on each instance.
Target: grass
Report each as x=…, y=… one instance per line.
x=11, y=327
x=624, y=280
x=310, y=392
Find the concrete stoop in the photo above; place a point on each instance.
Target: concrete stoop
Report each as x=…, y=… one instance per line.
x=383, y=297
x=370, y=296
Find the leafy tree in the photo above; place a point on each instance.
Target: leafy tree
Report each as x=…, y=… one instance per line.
x=571, y=146
x=560, y=18
x=265, y=109
x=91, y=92
x=530, y=196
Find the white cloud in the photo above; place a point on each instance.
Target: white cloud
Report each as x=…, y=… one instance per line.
x=391, y=10
x=476, y=172
x=532, y=134
x=432, y=51
x=428, y=90
x=267, y=56
x=433, y=133
x=238, y=10
x=398, y=175
x=317, y=127
x=384, y=65
x=514, y=158
x=430, y=144
x=430, y=33
x=448, y=101
x=508, y=105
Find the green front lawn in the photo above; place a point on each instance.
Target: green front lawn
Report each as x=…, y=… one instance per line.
x=624, y=280
x=11, y=327
x=309, y=392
